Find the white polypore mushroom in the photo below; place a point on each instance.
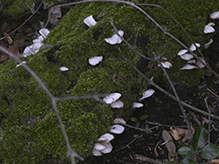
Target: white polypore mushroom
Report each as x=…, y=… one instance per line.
x=119, y=121
x=188, y=67
x=209, y=43
x=137, y=105
x=115, y=39
x=181, y=52
x=201, y=62
x=105, y=138
x=186, y=56
x=44, y=32
x=117, y=129
x=193, y=47
x=166, y=64
x=89, y=21
x=215, y=15
x=112, y=98
x=117, y=104
x=95, y=60
x=108, y=148
x=63, y=68
x=147, y=94
x=208, y=28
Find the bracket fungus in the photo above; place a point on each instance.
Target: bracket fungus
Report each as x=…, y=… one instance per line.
x=89, y=21
x=115, y=39
x=95, y=60
x=147, y=94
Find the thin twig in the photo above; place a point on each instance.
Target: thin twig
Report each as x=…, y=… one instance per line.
x=175, y=93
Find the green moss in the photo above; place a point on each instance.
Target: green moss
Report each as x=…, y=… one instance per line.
x=29, y=125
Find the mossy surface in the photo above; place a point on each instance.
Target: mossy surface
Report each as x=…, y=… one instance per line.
x=28, y=123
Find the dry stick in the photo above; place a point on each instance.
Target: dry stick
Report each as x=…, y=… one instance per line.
x=176, y=95
x=209, y=119
x=24, y=21
x=54, y=100
x=150, y=81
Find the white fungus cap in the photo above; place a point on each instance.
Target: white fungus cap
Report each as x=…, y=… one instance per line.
x=105, y=138
x=209, y=43
x=95, y=60
x=99, y=146
x=108, y=148
x=166, y=64
x=117, y=129
x=193, y=47
x=147, y=94
x=188, y=67
x=119, y=121
x=117, y=104
x=201, y=62
x=187, y=56
x=115, y=39
x=89, y=21
x=208, y=28
x=63, y=69
x=137, y=105
x=112, y=98
x=44, y=32
x=215, y=15
x=181, y=52
x=96, y=152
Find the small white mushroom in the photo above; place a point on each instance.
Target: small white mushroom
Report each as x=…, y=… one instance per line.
x=215, y=15
x=119, y=121
x=166, y=64
x=108, y=148
x=186, y=56
x=112, y=98
x=208, y=28
x=89, y=21
x=95, y=60
x=147, y=94
x=96, y=152
x=188, y=67
x=44, y=32
x=117, y=129
x=201, y=62
x=137, y=105
x=115, y=39
x=63, y=68
x=105, y=138
x=28, y=51
x=209, y=43
x=193, y=47
x=99, y=146
x=181, y=52
x=117, y=104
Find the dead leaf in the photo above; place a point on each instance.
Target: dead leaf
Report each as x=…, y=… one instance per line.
x=3, y=56
x=175, y=134
x=214, y=161
x=54, y=13
x=171, y=147
x=8, y=38
x=14, y=49
x=185, y=133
